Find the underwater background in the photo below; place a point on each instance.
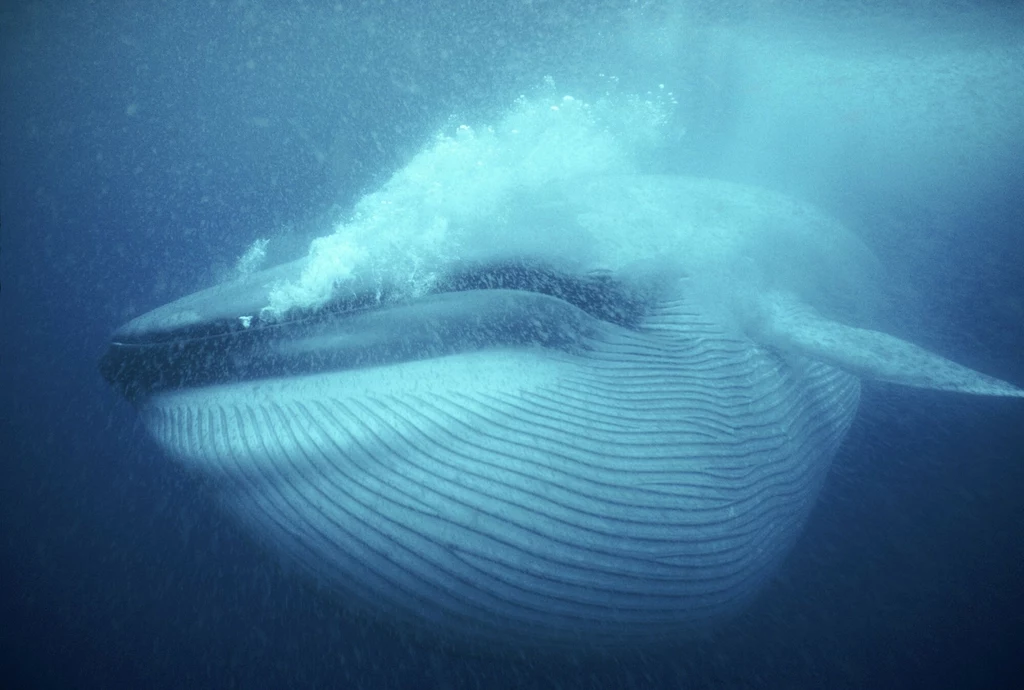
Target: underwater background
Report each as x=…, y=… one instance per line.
x=145, y=147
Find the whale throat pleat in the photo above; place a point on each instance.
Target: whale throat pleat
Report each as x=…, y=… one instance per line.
x=650, y=481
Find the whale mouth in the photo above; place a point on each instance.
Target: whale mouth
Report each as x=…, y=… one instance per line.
x=514, y=303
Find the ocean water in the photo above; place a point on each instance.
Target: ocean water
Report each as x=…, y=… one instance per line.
x=148, y=152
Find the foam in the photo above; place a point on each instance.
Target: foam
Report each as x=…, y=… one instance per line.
x=461, y=195
x=253, y=258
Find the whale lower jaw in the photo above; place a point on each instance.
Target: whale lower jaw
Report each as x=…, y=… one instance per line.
x=641, y=487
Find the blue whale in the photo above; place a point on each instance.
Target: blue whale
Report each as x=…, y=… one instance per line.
x=531, y=452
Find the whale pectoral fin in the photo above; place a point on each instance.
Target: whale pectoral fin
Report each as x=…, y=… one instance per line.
x=794, y=327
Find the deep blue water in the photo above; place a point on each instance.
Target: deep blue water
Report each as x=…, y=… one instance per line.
x=143, y=150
